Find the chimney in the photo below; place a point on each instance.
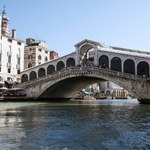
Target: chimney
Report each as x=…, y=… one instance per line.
x=14, y=33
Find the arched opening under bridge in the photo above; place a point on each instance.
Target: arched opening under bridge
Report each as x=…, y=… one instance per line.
x=69, y=87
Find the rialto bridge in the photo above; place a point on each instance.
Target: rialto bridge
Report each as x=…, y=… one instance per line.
x=91, y=62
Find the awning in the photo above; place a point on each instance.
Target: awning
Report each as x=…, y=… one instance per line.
x=3, y=88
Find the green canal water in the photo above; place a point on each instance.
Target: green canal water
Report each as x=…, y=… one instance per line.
x=99, y=125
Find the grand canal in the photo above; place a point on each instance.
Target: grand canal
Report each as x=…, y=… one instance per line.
x=101, y=125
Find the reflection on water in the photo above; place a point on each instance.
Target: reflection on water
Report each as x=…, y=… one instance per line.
x=107, y=124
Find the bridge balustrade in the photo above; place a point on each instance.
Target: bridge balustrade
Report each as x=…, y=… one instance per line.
x=84, y=70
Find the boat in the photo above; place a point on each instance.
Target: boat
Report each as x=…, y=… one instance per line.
x=12, y=93
x=100, y=96
x=89, y=97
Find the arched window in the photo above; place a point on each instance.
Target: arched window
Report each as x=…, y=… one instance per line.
x=143, y=69
x=70, y=62
x=60, y=65
x=116, y=64
x=39, y=57
x=129, y=66
x=24, y=78
x=33, y=75
x=50, y=69
x=30, y=56
x=104, y=61
x=41, y=72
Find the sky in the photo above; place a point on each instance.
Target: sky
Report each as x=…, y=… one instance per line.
x=64, y=23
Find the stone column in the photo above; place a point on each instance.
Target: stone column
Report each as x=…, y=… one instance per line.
x=95, y=55
x=77, y=56
x=136, y=68
x=110, y=58
x=122, y=65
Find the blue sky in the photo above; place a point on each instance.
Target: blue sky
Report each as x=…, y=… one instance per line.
x=63, y=23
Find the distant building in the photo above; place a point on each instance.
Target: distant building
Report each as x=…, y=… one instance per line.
x=35, y=53
x=53, y=55
x=11, y=52
x=110, y=89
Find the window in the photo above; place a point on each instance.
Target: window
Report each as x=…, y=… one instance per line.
x=18, y=71
x=9, y=59
x=9, y=40
x=9, y=51
x=19, y=54
x=39, y=57
x=19, y=43
x=30, y=56
x=9, y=70
x=30, y=50
x=9, y=79
x=30, y=65
x=46, y=58
x=18, y=61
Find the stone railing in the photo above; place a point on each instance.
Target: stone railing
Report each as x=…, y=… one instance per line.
x=82, y=70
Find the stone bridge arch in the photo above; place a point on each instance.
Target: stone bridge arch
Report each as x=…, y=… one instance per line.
x=66, y=83
x=68, y=86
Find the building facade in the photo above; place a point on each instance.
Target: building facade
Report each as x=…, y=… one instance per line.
x=36, y=52
x=11, y=52
x=53, y=55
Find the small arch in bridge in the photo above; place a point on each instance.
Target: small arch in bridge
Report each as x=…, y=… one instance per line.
x=143, y=69
x=60, y=65
x=70, y=62
x=50, y=69
x=33, y=75
x=24, y=78
x=116, y=64
x=129, y=66
x=41, y=72
x=104, y=61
